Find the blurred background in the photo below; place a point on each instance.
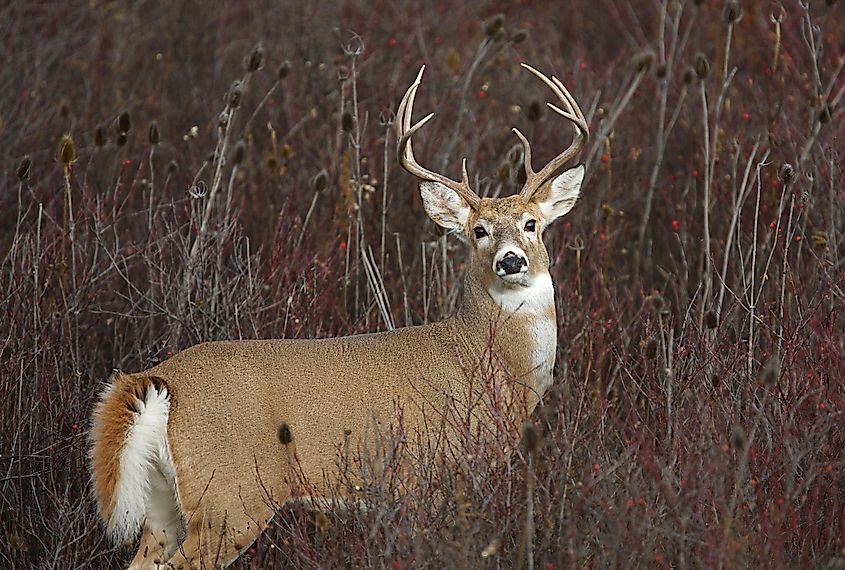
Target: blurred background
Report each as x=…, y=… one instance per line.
x=175, y=172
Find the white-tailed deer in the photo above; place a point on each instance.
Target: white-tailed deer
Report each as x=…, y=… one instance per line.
x=195, y=452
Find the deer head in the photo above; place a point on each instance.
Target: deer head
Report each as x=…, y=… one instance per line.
x=505, y=234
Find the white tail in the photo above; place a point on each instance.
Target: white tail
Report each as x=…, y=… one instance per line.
x=202, y=443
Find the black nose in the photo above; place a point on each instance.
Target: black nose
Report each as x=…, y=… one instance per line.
x=511, y=263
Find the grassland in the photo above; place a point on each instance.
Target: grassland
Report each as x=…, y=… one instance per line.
x=697, y=414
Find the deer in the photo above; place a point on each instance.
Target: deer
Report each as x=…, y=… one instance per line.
x=194, y=454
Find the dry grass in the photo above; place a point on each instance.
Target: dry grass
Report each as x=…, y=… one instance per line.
x=697, y=415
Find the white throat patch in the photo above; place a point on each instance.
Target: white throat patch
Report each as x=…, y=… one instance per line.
x=534, y=298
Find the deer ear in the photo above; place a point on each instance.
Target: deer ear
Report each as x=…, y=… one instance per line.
x=557, y=198
x=444, y=206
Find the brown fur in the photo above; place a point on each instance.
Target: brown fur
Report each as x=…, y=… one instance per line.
x=244, y=414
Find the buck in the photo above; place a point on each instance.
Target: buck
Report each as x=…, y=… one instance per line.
x=194, y=453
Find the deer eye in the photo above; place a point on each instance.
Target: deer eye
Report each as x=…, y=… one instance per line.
x=531, y=226
x=479, y=232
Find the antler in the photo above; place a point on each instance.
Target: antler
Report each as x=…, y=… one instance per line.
x=571, y=112
x=405, y=131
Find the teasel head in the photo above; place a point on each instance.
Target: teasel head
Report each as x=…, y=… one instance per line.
x=235, y=95
x=651, y=347
x=643, y=61
x=535, y=111
x=239, y=153
x=738, y=438
x=283, y=70
x=711, y=319
x=347, y=122
x=519, y=36
x=657, y=304
x=124, y=122
x=101, y=136
x=255, y=59
x=320, y=181
x=24, y=169
x=154, y=135
x=732, y=12
x=702, y=66
x=770, y=372
x=530, y=437
x=66, y=154
x=494, y=25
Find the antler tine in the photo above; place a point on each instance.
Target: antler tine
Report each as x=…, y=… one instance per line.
x=571, y=112
x=405, y=131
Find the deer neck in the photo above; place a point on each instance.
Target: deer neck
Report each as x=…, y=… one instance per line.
x=522, y=325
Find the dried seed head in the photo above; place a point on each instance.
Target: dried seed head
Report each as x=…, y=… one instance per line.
x=320, y=181
x=657, y=303
x=660, y=71
x=711, y=320
x=67, y=151
x=702, y=66
x=154, y=135
x=771, y=372
x=737, y=437
x=100, y=136
x=255, y=60
x=642, y=61
x=172, y=167
x=494, y=25
x=819, y=241
x=732, y=11
x=651, y=348
x=124, y=122
x=689, y=75
x=283, y=70
x=239, y=153
x=120, y=140
x=787, y=173
x=826, y=114
x=535, y=111
x=530, y=437
x=24, y=169
x=64, y=109
x=520, y=36
x=347, y=122
x=235, y=95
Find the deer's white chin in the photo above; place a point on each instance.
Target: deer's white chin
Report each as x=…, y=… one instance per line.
x=523, y=293
x=516, y=279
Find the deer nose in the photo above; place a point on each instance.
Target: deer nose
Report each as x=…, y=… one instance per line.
x=510, y=264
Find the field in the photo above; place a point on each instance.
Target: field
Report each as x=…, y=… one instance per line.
x=175, y=172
